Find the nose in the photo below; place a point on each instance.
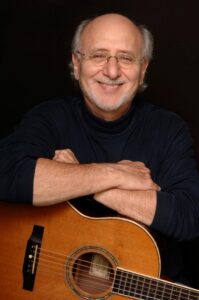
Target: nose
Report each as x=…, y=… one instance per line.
x=112, y=68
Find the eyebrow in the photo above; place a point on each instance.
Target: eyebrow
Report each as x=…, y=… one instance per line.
x=106, y=50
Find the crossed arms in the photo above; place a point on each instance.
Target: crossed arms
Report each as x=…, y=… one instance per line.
x=126, y=186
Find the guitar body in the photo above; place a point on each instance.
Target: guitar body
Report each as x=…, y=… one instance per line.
x=70, y=238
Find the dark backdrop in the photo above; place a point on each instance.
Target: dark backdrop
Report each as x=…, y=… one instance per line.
x=35, y=51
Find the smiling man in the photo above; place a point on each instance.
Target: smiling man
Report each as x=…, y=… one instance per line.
x=106, y=149
x=111, y=69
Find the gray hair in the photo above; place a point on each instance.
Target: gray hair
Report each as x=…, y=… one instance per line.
x=147, y=49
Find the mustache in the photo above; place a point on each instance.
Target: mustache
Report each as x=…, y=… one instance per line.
x=111, y=82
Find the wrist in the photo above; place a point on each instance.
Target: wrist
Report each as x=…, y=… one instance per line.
x=106, y=175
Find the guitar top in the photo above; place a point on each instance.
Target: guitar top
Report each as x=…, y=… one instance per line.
x=57, y=253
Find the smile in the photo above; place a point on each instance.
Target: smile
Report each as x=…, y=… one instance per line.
x=110, y=86
x=111, y=83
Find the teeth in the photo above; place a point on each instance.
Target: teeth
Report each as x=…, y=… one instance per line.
x=111, y=83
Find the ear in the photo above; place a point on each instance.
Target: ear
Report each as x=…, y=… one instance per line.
x=75, y=61
x=144, y=67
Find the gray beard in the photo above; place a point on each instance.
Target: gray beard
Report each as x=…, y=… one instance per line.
x=103, y=106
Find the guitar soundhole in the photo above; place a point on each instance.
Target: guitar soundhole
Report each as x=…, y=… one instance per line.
x=90, y=272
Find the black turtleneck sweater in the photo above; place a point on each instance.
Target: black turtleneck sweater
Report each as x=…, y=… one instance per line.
x=146, y=133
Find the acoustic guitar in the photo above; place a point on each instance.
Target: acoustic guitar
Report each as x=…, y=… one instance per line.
x=57, y=253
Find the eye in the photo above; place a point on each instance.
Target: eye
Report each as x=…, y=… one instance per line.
x=98, y=56
x=126, y=58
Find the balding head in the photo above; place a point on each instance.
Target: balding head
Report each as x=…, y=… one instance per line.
x=112, y=20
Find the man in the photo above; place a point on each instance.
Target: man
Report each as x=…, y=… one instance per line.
x=126, y=154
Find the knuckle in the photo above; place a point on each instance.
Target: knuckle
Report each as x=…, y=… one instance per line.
x=140, y=163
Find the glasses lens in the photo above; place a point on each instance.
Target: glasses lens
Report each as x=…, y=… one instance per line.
x=126, y=59
x=99, y=58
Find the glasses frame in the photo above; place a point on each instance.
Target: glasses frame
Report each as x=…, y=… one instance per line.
x=88, y=56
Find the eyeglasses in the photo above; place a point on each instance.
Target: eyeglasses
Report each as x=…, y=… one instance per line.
x=98, y=58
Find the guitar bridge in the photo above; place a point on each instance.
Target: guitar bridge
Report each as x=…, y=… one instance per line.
x=31, y=257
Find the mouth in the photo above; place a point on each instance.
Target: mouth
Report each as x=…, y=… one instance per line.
x=110, y=85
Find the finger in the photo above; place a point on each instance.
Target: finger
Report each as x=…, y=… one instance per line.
x=70, y=152
x=152, y=185
x=134, y=163
x=65, y=155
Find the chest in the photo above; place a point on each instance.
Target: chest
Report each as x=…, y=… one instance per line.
x=136, y=144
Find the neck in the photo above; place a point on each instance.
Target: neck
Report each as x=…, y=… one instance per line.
x=108, y=115
x=144, y=287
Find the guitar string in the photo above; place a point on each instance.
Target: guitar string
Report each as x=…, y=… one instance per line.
x=159, y=281
x=126, y=291
x=150, y=282
x=133, y=294
x=165, y=288
x=88, y=284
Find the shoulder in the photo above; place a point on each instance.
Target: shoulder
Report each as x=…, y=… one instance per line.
x=163, y=125
x=155, y=114
x=50, y=115
x=55, y=110
x=57, y=104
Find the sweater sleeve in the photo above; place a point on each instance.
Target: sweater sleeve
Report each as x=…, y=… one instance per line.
x=34, y=137
x=177, y=212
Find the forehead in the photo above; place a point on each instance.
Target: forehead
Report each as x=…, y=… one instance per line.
x=111, y=32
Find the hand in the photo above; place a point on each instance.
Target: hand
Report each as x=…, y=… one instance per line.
x=65, y=156
x=132, y=175
x=135, y=176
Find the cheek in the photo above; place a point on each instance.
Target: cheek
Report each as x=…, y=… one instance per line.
x=87, y=77
x=87, y=71
x=134, y=77
x=138, y=74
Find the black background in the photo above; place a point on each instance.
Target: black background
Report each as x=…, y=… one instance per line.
x=36, y=37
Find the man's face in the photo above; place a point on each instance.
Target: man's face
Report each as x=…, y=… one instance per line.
x=109, y=88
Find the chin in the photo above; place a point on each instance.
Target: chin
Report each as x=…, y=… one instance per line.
x=111, y=107
x=107, y=103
